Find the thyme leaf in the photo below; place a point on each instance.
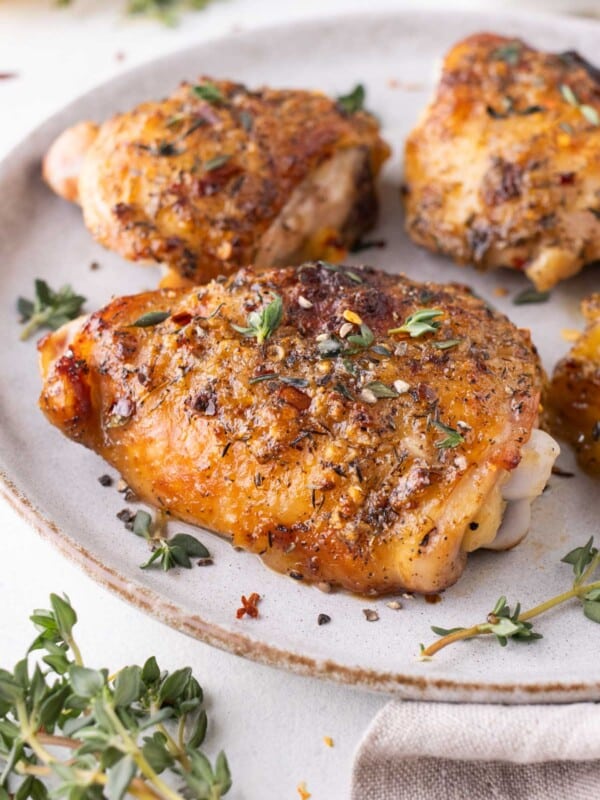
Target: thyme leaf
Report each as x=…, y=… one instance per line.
x=353, y=101
x=216, y=162
x=447, y=344
x=421, y=321
x=452, y=439
x=510, y=52
x=381, y=390
x=530, y=296
x=589, y=112
x=262, y=324
x=150, y=319
x=209, y=92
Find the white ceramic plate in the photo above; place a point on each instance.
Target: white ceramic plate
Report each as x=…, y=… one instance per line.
x=54, y=481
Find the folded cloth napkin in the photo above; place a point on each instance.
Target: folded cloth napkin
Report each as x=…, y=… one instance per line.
x=445, y=751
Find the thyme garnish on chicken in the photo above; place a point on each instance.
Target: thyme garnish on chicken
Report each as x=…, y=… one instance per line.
x=263, y=324
x=505, y=624
x=95, y=734
x=49, y=309
x=353, y=101
x=589, y=112
x=452, y=437
x=422, y=321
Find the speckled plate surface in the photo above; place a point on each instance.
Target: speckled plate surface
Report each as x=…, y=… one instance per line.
x=54, y=481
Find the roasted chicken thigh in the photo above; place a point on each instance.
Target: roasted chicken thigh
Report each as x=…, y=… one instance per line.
x=574, y=397
x=218, y=176
x=503, y=168
x=347, y=425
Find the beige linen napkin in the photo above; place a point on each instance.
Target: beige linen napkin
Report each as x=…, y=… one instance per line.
x=444, y=751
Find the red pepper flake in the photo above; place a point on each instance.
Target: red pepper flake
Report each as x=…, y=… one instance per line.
x=182, y=318
x=566, y=178
x=248, y=606
x=7, y=76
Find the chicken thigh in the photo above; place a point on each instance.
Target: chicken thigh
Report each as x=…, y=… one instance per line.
x=503, y=169
x=218, y=176
x=347, y=425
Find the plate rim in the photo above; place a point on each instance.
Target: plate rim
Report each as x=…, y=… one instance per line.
x=158, y=606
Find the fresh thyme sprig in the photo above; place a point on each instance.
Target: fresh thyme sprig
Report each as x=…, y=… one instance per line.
x=506, y=624
x=49, y=309
x=452, y=437
x=93, y=736
x=163, y=10
x=424, y=320
x=176, y=551
x=262, y=324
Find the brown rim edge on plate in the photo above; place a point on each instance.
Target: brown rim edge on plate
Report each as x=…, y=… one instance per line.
x=144, y=599
x=408, y=686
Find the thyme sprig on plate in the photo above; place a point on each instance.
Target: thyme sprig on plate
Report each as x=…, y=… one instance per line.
x=505, y=624
x=263, y=324
x=92, y=734
x=176, y=551
x=49, y=308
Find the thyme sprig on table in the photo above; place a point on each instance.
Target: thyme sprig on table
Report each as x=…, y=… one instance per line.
x=505, y=624
x=94, y=735
x=49, y=308
x=163, y=10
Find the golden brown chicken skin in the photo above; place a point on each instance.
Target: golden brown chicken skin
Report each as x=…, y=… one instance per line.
x=218, y=176
x=503, y=168
x=574, y=397
x=336, y=450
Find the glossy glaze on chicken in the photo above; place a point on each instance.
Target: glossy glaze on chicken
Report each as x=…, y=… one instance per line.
x=218, y=176
x=574, y=397
x=335, y=449
x=503, y=169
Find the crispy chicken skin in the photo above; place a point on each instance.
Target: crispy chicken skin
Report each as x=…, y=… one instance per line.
x=503, y=169
x=574, y=397
x=288, y=452
x=208, y=184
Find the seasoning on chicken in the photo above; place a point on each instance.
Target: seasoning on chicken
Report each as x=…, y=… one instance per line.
x=348, y=425
x=218, y=176
x=574, y=396
x=503, y=168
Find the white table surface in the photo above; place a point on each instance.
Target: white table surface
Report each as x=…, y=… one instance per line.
x=271, y=723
